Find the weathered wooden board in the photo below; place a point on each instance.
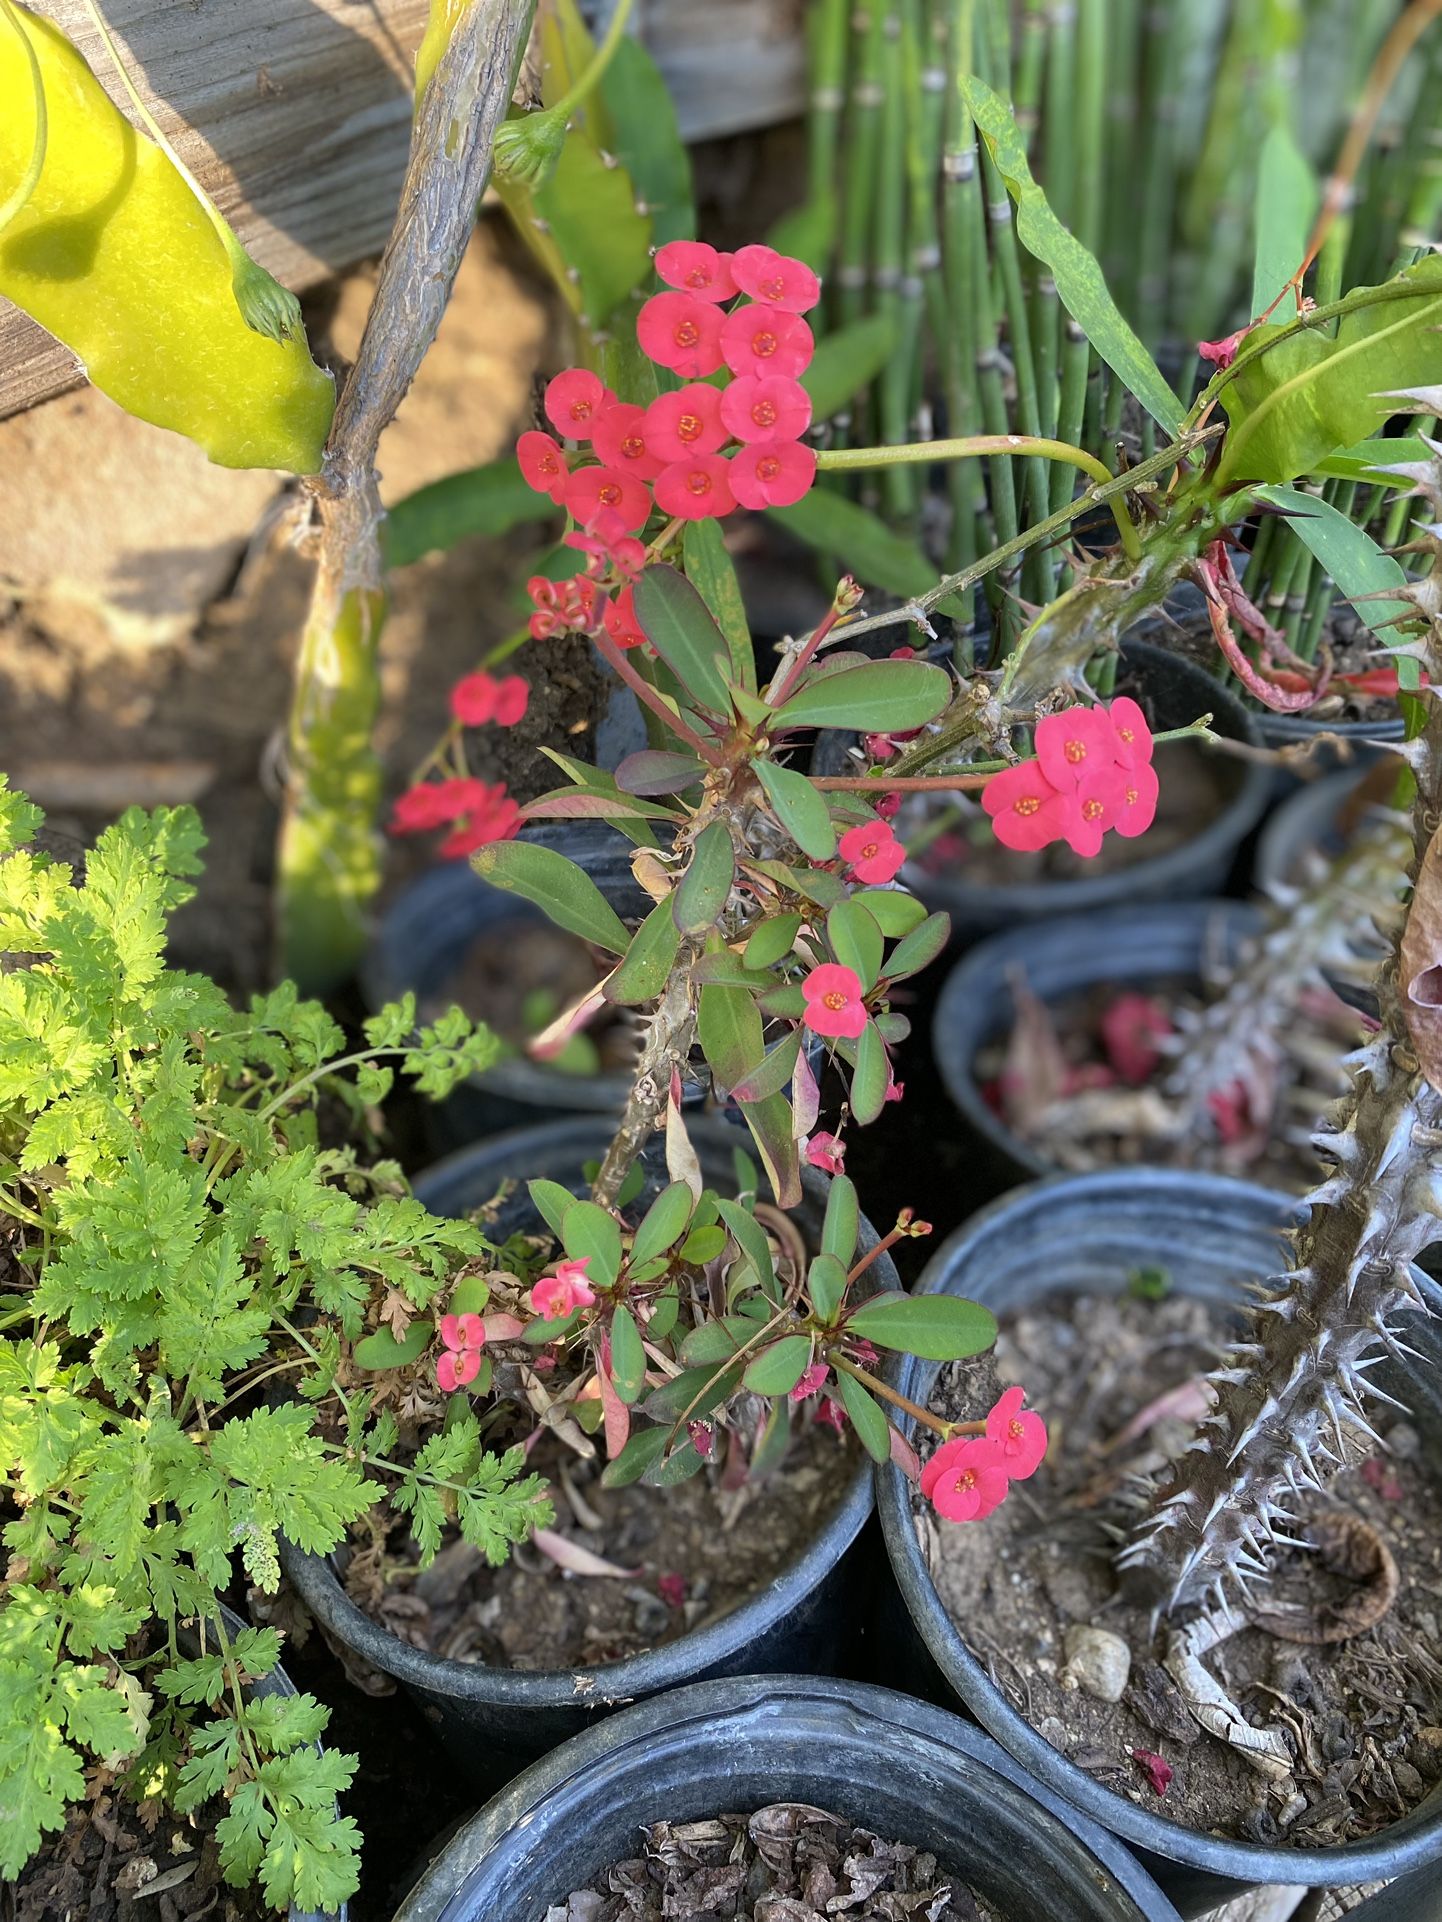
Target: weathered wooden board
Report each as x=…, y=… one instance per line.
x=294, y=115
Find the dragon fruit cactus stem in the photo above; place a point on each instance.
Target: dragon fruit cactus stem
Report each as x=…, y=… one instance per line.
x=1291, y=1395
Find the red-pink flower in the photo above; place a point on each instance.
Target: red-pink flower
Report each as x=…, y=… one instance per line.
x=832, y=1415
x=1156, y=1768
x=965, y=1479
x=431, y=804
x=894, y=1089
x=492, y=816
x=1131, y=1029
x=685, y=423
x=1082, y=814
x=833, y=1001
x=888, y=806
x=1017, y=799
x=592, y=490
x=620, y=620
x=463, y=1337
x=696, y=269
x=480, y=697
x=672, y=1590
x=765, y=407
x=697, y=489
x=609, y=545
x=1020, y=1435
x=755, y=341
x=1138, y=808
x=573, y=400
x=776, y=280
x=703, y=1438
x=827, y=1152
x=813, y=1379
x=558, y=1295
x=872, y=852
x=682, y=332
x=1074, y=744
x=773, y=473
x=1221, y=353
x=1132, y=736
x=619, y=438
x=543, y=465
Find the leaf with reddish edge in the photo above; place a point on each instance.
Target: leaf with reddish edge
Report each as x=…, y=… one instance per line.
x=872, y=1427
x=1419, y=974
x=894, y=911
x=648, y=961
x=919, y=949
x=706, y=885
x=575, y=804
x=656, y=771
x=723, y=969
x=640, y=1453
x=751, y=1239
x=774, y=1073
x=560, y=889
x=729, y=1029
x=776, y=1369
x=904, y=1455
x=770, y=1125
x=616, y=1414
x=771, y=942
x=577, y=1560
x=800, y=809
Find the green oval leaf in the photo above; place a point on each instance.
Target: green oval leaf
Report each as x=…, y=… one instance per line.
x=843, y=1220
x=706, y=884
x=777, y=1369
x=678, y=624
x=593, y=1235
x=382, y=1350
x=551, y=1202
x=935, y=1327
x=826, y=1285
x=894, y=911
x=628, y=1357
x=648, y=961
x=800, y=809
x=480, y=500
x=654, y=770
x=710, y=571
x=882, y=697
x=920, y=948
x=872, y=1427
x=640, y=1453
x=729, y=1029
x=664, y=1223
x=772, y=941
x=870, y=1076
x=561, y=890
x=855, y=940
x=774, y=1074
x=750, y=1238
x=707, y=1386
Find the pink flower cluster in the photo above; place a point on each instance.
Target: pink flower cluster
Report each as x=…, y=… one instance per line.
x=561, y=1294
x=462, y=1337
x=969, y=1477
x=475, y=813
x=1093, y=771
x=696, y=453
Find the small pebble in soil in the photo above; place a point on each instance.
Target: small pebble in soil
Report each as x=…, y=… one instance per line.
x=1097, y=1661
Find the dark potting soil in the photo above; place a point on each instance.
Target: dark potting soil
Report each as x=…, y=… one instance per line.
x=1118, y=1382
x=681, y=1557
x=519, y=978
x=1055, y=1081
x=1195, y=786
x=788, y=1862
x=117, y=1862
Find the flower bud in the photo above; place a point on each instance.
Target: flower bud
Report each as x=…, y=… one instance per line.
x=527, y=149
x=265, y=306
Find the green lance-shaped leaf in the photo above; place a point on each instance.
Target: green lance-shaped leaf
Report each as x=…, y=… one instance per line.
x=1355, y=562
x=826, y=1285
x=935, y=1327
x=641, y=1452
x=920, y=948
x=1286, y=206
x=561, y=890
x=652, y=770
x=872, y=1428
x=855, y=940
x=383, y=1350
x=832, y=524
x=800, y=809
x=486, y=500
x=870, y=1076
x=710, y=571
x=590, y=1233
x=771, y=942
x=774, y=1074
x=1311, y=393
x=551, y=1201
x=681, y=628
x=1079, y=280
x=728, y=1027
x=894, y=912
x=706, y=885
x=663, y=1224
x=648, y=961
x=881, y=697
x=751, y=1239
x=113, y=253
x=846, y=360
x=628, y=1357
x=770, y=1122
x=842, y=1222
x=777, y=1369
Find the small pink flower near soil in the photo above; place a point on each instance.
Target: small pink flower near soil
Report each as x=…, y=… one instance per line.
x=1132, y=1029
x=833, y=1001
x=463, y=1337
x=872, y=852
x=763, y=407
x=756, y=341
x=685, y=423
x=481, y=697
x=864, y=1352
x=698, y=489
x=493, y=817
x=1073, y=745
x=573, y=399
x=831, y=1414
x=672, y=1590
x=695, y=268
x=827, y=1152
x=543, y=465
x=965, y=1479
x=813, y=1379
x=592, y=489
x=683, y=332
x=894, y=1089
x=1158, y=1771
x=773, y=473
x=431, y=804
x=620, y=439
x=1375, y=1472
x=1020, y=1435
x=703, y=1438
x=775, y=280
x=558, y=1295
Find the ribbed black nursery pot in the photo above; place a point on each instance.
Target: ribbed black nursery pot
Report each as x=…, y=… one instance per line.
x=424, y=936
x=1117, y=947
x=1085, y=1234
x=1173, y=692
x=495, y=1721
x=907, y=1772
x=1306, y=822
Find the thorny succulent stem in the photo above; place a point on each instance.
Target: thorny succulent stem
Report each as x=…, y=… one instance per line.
x=665, y=1050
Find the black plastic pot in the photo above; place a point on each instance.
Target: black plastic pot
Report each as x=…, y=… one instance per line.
x=906, y=1772
x=1292, y=730
x=495, y=1721
x=1173, y=691
x=1306, y=820
x=1119, y=947
x=1085, y=1233
x=423, y=937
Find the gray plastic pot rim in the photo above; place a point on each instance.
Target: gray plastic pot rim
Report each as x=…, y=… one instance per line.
x=1371, y=1859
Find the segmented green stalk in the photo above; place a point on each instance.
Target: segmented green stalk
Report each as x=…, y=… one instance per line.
x=898, y=485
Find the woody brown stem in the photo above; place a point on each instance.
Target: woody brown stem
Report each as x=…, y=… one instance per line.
x=666, y=1051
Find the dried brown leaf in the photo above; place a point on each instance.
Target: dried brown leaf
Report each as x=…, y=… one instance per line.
x=1420, y=964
